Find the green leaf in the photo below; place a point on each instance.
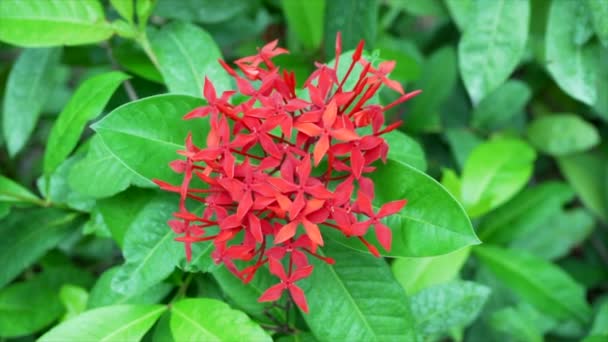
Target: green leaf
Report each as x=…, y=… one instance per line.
x=573, y=67
x=134, y=60
x=501, y=105
x=146, y=134
x=437, y=82
x=102, y=293
x=460, y=11
x=202, y=11
x=514, y=323
x=5, y=209
x=204, y=319
x=13, y=192
x=528, y=211
x=495, y=171
x=562, y=134
x=74, y=299
x=87, y=103
x=110, y=323
x=356, y=19
x=583, y=30
x=599, y=330
x=451, y=305
x=52, y=22
x=599, y=17
x=421, y=8
x=359, y=299
x=558, y=235
x=462, y=142
x=538, y=282
x=124, y=8
x=586, y=172
x=406, y=150
x=178, y=49
x=492, y=45
x=29, y=85
x=306, y=19
x=27, y=235
x=433, y=223
x=416, y=274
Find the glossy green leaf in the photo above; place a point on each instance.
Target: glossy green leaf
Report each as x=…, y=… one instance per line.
x=102, y=293
x=52, y=22
x=74, y=299
x=29, y=85
x=441, y=307
x=538, y=282
x=416, y=274
x=406, y=150
x=599, y=17
x=13, y=192
x=203, y=11
x=204, y=319
x=586, y=172
x=356, y=19
x=526, y=212
x=562, y=134
x=432, y=223
x=460, y=11
x=501, y=105
x=493, y=44
x=573, y=67
x=495, y=171
x=599, y=330
x=87, y=103
x=110, y=323
x=306, y=19
x=145, y=134
x=178, y=49
x=124, y=8
x=27, y=235
x=359, y=299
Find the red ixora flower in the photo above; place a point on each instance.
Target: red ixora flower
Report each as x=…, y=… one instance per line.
x=265, y=200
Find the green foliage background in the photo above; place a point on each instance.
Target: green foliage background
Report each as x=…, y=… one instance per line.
x=502, y=158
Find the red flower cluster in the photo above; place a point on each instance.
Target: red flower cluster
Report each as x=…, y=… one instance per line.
x=259, y=177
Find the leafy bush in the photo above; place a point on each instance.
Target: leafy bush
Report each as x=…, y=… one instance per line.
x=501, y=160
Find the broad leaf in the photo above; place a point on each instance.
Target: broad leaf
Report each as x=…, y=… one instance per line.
x=406, y=150
x=460, y=11
x=52, y=22
x=562, y=134
x=124, y=8
x=492, y=45
x=202, y=11
x=29, y=85
x=494, y=172
x=306, y=19
x=355, y=19
x=13, y=192
x=359, y=299
x=462, y=142
x=146, y=134
x=574, y=67
x=87, y=103
x=599, y=17
x=178, y=47
x=538, y=282
x=515, y=323
x=432, y=223
x=502, y=104
x=205, y=319
x=451, y=305
x=110, y=323
x=55, y=187
x=27, y=235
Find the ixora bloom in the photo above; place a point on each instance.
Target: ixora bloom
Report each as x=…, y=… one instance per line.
x=278, y=169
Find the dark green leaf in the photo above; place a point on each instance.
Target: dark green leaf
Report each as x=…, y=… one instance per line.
x=203, y=11
x=502, y=104
x=52, y=22
x=493, y=44
x=306, y=19
x=86, y=104
x=13, y=192
x=433, y=8
x=562, y=134
x=204, y=319
x=110, y=323
x=462, y=142
x=356, y=19
x=29, y=85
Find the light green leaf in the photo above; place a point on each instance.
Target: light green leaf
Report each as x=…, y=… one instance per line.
x=202, y=11
x=599, y=18
x=356, y=19
x=451, y=305
x=110, y=323
x=178, y=49
x=460, y=11
x=204, y=319
x=52, y=22
x=13, y=192
x=124, y=8
x=501, y=105
x=74, y=299
x=528, y=211
x=451, y=182
x=538, y=282
x=102, y=293
x=359, y=299
x=495, y=171
x=433, y=223
x=145, y=134
x=306, y=19
x=562, y=134
x=27, y=235
x=87, y=103
x=493, y=43
x=416, y=274
x=406, y=150
x=29, y=85
x=574, y=67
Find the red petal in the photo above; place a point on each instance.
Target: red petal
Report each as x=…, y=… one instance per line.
x=244, y=205
x=321, y=148
x=286, y=232
x=391, y=208
x=273, y=293
x=276, y=268
x=313, y=232
x=298, y=297
x=309, y=129
x=344, y=134
x=384, y=235
x=209, y=91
